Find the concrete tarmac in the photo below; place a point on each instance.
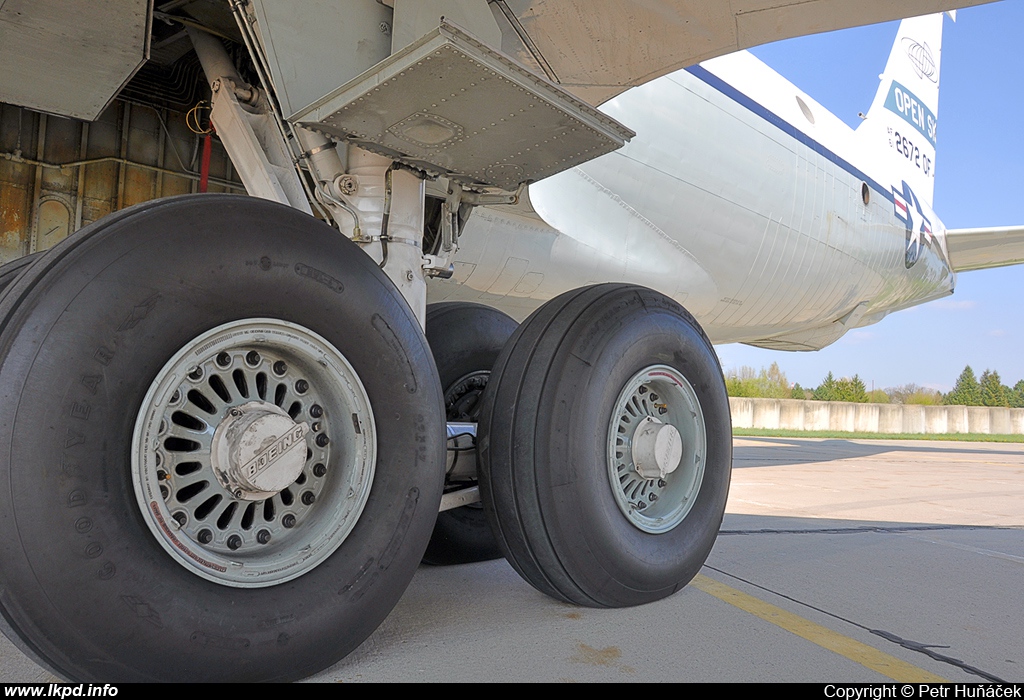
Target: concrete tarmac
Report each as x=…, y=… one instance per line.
x=838, y=561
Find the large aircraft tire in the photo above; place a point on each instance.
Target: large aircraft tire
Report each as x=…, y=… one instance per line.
x=147, y=348
x=11, y=270
x=465, y=339
x=564, y=406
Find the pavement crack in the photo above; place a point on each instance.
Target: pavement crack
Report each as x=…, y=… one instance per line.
x=926, y=649
x=929, y=650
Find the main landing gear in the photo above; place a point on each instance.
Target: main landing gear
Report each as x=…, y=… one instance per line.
x=223, y=440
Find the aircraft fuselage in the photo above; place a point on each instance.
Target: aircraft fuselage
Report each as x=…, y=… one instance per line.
x=731, y=200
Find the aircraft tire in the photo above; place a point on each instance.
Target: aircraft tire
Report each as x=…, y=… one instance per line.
x=11, y=270
x=114, y=569
x=465, y=339
x=562, y=409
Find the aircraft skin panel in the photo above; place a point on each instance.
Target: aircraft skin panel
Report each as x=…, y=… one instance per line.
x=599, y=48
x=785, y=211
x=770, y=290
x=70, y=58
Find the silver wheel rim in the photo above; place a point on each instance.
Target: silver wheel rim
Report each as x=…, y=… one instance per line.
x=656, y=505
x=203, y=525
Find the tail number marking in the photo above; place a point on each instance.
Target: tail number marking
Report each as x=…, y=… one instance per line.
x=906, y=148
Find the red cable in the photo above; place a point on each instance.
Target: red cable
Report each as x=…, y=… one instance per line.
x=204, y=168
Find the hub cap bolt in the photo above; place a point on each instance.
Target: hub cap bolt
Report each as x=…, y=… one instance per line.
x=661, y=483
x=316, y=411
x=315, y=427
x=180, y=518
x=319, y=469
x=280, y=367
x=641, y=505
x=164, y=493
x=308, y=497
x=234, y=542
x=288, y=520
x=196, y=374
x=322, y=440
x=642, y=390
x=161, y=475
x=662, y=410
x=301, y=386
x=223, y=359
x=263, y=536
x=252, y=357
x=205, y=536
x=654, y=397
x=652, y=497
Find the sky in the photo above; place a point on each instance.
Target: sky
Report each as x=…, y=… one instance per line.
x=978, y=182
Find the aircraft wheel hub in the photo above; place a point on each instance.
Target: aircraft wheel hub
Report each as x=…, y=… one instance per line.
x=656, y=449
x=254, y=453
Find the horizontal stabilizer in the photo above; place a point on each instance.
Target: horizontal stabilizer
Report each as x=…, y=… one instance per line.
x=982, y=248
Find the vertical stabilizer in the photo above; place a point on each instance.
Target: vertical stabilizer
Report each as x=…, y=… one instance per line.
x=903, y=118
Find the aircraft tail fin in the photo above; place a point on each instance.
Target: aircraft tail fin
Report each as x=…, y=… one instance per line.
x=904, y=114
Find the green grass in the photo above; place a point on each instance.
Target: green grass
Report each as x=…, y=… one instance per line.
x=958, y=437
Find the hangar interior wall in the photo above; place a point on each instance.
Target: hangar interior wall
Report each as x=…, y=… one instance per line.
x=58, y=175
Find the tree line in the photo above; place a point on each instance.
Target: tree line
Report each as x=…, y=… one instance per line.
x=772, y=383
x=988, y=391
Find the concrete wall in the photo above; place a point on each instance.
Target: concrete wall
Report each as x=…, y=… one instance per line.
x=794, y=414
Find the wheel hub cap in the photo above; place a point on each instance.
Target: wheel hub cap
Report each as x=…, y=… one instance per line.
x=657, y=448
x=258, y=451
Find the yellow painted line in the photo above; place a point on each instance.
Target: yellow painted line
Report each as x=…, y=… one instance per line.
x=865, y=655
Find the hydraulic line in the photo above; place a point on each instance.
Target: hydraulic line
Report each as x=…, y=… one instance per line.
x=325, y=193
x=386, y=214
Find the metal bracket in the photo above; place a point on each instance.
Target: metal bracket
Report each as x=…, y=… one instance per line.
x=441, y=265
x=457, y=499
x=483, y=199
x=455, y=210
